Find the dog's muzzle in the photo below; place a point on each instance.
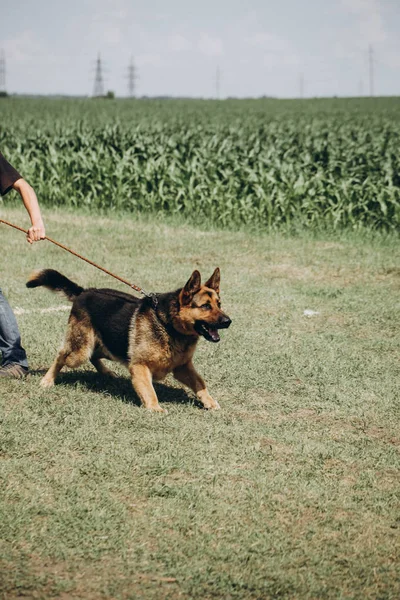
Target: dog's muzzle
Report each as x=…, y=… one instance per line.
x=224, y=322
x=209, y=331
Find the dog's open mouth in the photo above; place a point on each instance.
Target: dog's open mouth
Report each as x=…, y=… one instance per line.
x=208, y=331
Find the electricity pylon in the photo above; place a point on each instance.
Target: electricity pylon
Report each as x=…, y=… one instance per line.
x=98, y=89
x=132, y=76
x=2, y=72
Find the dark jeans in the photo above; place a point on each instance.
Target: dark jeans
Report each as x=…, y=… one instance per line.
x=10, y=338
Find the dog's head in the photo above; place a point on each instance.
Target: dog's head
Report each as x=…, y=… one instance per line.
x=200, y=307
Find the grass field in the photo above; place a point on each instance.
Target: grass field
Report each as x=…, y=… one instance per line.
x=290, y=491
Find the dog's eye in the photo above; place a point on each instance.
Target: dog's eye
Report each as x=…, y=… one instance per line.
x=206, y=306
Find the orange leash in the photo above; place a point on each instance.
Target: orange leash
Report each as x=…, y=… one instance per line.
x=131, y=285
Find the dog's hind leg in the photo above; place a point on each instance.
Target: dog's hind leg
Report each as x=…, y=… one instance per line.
x=101, y=367
x=188, y=375
x=49, y=378
x=143, y=385
x=78, y=348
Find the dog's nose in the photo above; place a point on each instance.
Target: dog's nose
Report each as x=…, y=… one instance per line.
x=224, y=322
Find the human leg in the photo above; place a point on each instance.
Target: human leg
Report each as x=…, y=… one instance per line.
x=10, y=337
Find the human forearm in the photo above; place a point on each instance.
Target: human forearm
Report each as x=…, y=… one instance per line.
x=28, y=195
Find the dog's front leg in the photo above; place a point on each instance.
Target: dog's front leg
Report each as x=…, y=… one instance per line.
x=188, y=375
x=143, y=385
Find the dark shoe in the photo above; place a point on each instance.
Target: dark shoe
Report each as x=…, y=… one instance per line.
x=14, y=370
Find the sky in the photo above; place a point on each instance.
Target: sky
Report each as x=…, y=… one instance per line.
x=280, y=48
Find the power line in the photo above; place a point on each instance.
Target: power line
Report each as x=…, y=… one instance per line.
x=371, y=70
x=132, y=76
x=217, y=82
x=98, y=89
x=2, y=72
x=301, y=85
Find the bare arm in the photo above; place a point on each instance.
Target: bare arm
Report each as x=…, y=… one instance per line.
x=27, y=193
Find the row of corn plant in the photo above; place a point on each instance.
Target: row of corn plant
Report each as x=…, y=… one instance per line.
x=332, y=163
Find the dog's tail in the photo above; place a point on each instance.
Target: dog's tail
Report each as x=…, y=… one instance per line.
x=54, y=281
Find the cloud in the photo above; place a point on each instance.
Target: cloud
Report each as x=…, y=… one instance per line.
x=268, y=41
x=25, y=47
x=368, y=18
x=210, y=46
x=34, y=67
x=272, y=60
x=365, y=26
x=150, y=59
x=274, y=49
x=360, y=7
x=109, y=9
x=106, y=28
x=391, y=56
x=178, y=43
x=112, y=35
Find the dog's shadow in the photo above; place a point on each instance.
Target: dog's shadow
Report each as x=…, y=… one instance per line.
x=121, y=388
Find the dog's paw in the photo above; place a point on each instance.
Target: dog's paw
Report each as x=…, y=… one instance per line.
x=157, y=409
x=213, y=406
x=46, y=383
x=209, y=403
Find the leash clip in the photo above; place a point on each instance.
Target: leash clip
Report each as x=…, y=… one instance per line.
x=153, y=298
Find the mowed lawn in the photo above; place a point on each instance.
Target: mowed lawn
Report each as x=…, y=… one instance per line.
x=290, y=491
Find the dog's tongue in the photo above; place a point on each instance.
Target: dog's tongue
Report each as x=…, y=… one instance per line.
x=214, y=335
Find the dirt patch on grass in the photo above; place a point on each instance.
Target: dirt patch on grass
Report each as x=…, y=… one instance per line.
x=388, y=480
x=320, y=273
x=380, y=433
x=329, y=245
x=275, y=447
x=39, y=578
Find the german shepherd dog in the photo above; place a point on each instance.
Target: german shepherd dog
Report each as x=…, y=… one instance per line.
x=151, y=338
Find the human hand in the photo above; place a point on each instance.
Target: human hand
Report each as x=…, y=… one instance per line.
x=36, y=233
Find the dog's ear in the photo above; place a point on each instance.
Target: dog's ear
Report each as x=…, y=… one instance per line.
x=191, y=287
x=214, y=280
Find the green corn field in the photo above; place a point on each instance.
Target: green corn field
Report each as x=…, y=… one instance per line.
x=262, y=163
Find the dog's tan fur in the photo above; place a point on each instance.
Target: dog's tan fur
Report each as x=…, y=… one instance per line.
x=159, y=339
